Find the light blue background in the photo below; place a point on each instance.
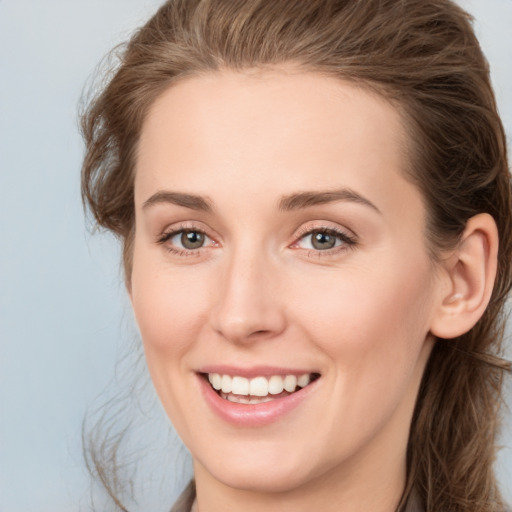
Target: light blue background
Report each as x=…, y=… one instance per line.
x=64, y=317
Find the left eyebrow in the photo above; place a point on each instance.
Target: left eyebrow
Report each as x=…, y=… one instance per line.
x=312, y=198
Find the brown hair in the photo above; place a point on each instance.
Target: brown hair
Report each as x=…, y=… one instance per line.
x=425, y=59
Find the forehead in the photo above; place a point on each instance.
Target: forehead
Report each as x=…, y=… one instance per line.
x=270, y=130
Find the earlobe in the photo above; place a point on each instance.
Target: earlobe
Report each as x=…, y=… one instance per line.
x=469, y=273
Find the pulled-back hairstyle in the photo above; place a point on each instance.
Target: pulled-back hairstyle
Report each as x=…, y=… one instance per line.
x=424, y=58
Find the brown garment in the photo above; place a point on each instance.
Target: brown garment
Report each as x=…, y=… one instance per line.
x=187, y=500
x=413, y=503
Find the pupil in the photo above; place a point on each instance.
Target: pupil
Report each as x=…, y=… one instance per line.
x=192, y=239
x=323, y=241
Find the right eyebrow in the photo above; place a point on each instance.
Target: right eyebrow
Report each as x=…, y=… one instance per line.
x=191, y=201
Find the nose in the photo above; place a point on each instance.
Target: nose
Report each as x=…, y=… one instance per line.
x=249, y=299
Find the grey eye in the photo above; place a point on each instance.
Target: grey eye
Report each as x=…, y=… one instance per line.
x=192, y=239
x=322, y=240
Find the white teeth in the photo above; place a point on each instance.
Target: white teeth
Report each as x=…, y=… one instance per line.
x=215, y=380
x=290, y=383
x=258, y=386
x=247, y=400
x=275, y=385
x=240, y=386
x=226, y=384
x=303, y=380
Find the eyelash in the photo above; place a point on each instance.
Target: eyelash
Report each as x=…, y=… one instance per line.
x=347, y=241
x=169, y=235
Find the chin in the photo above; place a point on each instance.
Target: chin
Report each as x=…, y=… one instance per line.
x=262, y=481
x=262, y=471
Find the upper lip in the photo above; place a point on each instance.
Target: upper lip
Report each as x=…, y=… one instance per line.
x=253, y=371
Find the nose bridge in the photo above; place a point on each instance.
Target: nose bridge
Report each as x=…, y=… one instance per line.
x=248, y=301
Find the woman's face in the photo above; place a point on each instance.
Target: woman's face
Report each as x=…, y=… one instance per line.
x=277, y=243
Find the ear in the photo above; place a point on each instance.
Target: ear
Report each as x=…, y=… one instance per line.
x=468, y=275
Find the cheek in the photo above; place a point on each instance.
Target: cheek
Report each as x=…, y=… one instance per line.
x=377, y=316
x=166, y=307
x=169, y=307
x=373, y=327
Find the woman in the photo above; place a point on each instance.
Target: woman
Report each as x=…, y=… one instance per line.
x=315, y=208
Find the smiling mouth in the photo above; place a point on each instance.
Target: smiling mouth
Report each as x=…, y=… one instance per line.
x=258, y=389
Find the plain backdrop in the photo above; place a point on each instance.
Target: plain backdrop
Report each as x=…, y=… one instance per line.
x=64, y=317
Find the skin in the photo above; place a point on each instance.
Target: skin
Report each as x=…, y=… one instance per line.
x=258, y=293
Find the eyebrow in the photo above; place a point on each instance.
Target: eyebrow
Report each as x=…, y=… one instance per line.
x=312, y=198
x=191, y=201
x=291, y=202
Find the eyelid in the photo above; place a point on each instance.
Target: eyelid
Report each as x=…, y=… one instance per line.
x=320, y=225
x=348, y=238
x=185, y=225
x=175, y=229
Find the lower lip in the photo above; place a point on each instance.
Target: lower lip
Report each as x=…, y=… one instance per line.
x=253, y=415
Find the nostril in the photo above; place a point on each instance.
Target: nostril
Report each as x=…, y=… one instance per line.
x=260, y=333
x=248, y=330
